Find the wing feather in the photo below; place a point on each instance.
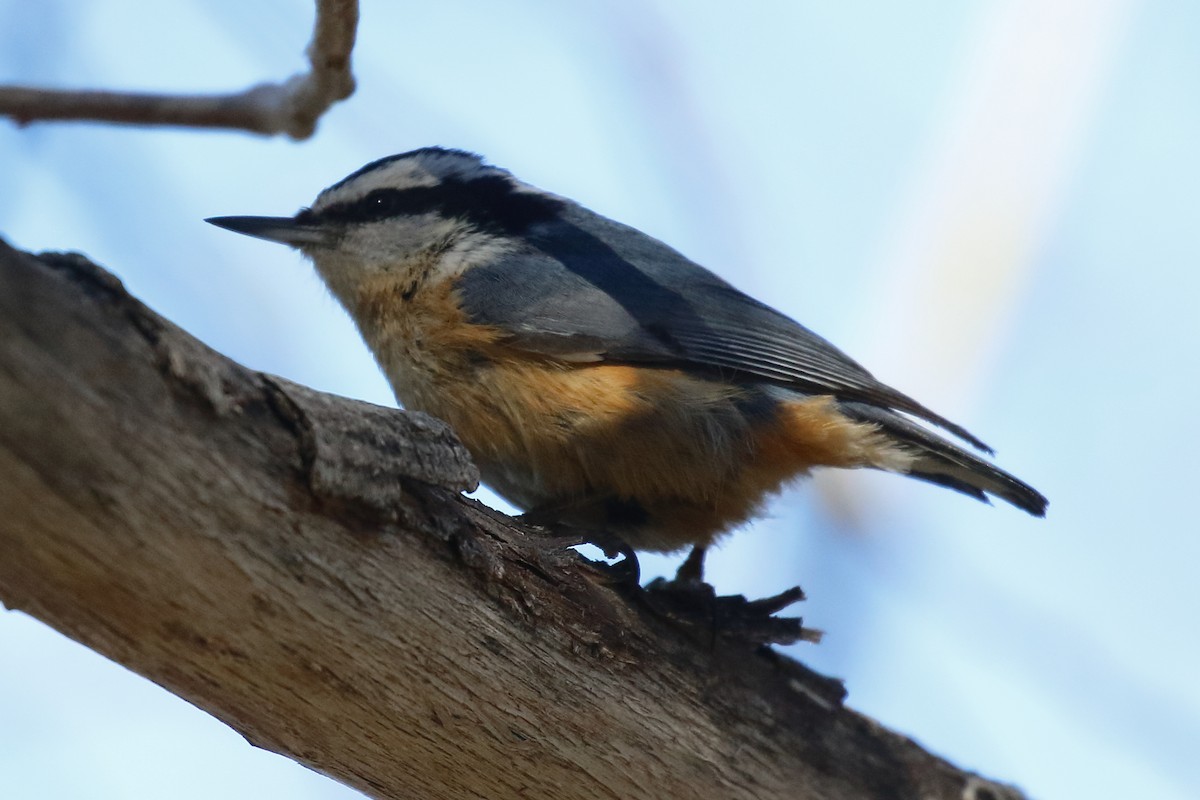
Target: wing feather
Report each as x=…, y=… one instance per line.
x=588, y=288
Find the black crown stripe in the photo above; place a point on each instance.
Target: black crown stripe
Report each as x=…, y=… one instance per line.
x=490, y=203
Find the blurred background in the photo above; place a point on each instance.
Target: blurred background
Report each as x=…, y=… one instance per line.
x=993, y=205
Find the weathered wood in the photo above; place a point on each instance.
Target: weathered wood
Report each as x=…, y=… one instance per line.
x=304, y=568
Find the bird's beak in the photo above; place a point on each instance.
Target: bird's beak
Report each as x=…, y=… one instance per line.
x=284, y=230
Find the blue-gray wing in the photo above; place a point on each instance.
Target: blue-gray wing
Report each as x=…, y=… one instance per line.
x=586, y=288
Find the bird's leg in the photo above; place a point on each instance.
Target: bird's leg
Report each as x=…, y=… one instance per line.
x=551, y=515
x=692, y=569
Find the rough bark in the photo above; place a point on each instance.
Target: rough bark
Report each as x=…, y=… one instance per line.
x=303, y=567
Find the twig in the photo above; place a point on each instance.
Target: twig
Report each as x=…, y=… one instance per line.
x=292, y=107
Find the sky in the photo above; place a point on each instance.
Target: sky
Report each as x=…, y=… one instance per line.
x=992, y=205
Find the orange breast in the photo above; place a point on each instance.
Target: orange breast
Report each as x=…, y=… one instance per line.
x=696, y=454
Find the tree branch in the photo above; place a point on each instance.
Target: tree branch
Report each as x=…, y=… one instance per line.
x=304, y=568
x=292, y=107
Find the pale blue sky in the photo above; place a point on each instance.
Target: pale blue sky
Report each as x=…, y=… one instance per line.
x=784, y=145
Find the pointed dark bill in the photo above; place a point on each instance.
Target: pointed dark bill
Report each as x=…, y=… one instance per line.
x=284, y=230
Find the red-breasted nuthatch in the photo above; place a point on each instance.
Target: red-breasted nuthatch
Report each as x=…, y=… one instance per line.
x=597, y=375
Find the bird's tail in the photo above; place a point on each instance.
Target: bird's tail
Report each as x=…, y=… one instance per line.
x=941, y=462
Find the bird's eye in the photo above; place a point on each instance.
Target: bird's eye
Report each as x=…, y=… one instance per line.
x=381, y=203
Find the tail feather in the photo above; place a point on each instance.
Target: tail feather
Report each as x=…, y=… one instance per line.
x=941, y=462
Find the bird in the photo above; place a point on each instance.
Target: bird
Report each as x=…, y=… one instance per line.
x=601, y=380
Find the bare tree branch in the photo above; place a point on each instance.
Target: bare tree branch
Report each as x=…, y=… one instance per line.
x=304, y=568
x=292, y=107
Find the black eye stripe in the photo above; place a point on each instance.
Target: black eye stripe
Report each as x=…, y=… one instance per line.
x=489, y=203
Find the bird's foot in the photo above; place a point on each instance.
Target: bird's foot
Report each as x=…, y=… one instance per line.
x=626, y=572
x=697, y=606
